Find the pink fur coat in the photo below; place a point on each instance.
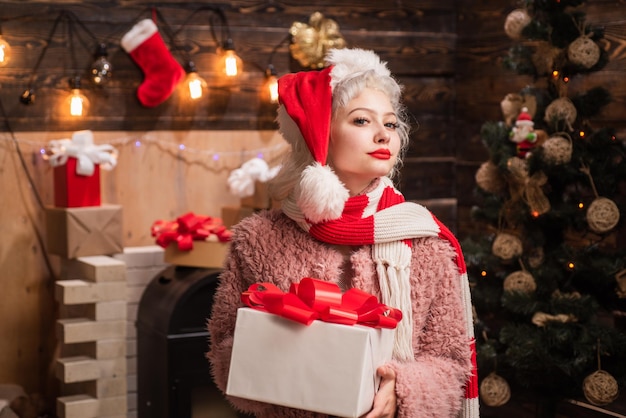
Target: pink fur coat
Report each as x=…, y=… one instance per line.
x=269, y=247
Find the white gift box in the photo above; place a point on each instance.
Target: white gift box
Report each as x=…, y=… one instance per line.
x=324, y=367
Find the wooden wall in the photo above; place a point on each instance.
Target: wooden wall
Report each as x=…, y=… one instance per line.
x=157, y=179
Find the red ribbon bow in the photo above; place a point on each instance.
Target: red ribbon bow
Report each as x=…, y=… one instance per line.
x=313, y=299
x=187, y=228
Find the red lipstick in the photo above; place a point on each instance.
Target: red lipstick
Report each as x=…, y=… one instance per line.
x=381, y=154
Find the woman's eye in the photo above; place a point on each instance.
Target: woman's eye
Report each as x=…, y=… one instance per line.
x=392, y=125
x=360, y=121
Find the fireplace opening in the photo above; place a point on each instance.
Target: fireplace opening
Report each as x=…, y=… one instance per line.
x=173, y=375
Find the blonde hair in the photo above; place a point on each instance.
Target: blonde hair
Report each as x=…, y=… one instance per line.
x=344, y=91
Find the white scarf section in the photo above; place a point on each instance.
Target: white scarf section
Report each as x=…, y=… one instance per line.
x=387, y=230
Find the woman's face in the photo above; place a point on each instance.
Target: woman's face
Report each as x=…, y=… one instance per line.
x=364, y=142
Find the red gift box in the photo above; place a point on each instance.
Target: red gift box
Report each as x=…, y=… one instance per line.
x=73, y=190
x=77, y=163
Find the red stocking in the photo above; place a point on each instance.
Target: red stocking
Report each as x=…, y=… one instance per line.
x=162, y=72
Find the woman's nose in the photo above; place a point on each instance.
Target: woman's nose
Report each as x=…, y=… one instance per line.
x=383, y=137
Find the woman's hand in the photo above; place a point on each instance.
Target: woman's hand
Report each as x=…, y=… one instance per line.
x=385, y=399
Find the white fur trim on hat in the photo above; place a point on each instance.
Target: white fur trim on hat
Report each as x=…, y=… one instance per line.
x=322, y=195
x=138, y=34
x=349, y=63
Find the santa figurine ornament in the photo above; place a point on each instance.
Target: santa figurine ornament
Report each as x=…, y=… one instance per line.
x=523, y=134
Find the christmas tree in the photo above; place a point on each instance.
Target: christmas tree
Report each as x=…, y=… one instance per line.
x=546, y=264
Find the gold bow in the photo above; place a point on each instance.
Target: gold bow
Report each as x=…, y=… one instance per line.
x=312, y=41
x=526, y=187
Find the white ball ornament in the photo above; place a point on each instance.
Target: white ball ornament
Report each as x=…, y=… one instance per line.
x=561, y=109
x=515, y=23
x=600, y=388
x=602, y=215
x=557, y=150
x=489, y=179
x=494, y=390
x=506, y=246
x=520, y=281
x=584, y=52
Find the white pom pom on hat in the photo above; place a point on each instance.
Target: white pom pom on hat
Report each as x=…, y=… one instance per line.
x=304, y=115
x=350, y=63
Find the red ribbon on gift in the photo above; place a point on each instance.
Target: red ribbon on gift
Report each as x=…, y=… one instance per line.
x=313, y=299
x=189, y=228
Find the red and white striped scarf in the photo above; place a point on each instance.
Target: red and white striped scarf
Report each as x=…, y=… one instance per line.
x=383, y=219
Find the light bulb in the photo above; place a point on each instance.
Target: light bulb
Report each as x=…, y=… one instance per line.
x=27, y=97
x=232, y=62
x=5, y=52
x=195, y=83
x=272, y=83
x=101, y=69
x=76, y=103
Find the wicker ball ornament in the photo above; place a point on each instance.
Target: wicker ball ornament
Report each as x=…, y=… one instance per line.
x=602, y=215
x=557, y=150
x=494, y=390
x=489, y=179
x=561, y=109
x=584, y=52
x=520, y=281
x=506, y=246
x=600, y=388
x=515, y=23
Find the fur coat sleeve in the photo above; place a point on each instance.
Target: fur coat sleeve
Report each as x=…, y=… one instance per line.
x=269, y=247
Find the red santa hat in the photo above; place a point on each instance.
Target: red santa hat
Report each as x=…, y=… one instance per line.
x=524, y=118
x=304, y=116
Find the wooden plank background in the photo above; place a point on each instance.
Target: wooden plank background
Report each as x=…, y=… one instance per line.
x=446, y=53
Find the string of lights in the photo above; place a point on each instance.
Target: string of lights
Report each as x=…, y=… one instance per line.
x=101, y=70
x=210, y=158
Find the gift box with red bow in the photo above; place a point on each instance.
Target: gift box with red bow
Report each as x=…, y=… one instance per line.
x=193, y=240
x=311, y=348
x=77, y=164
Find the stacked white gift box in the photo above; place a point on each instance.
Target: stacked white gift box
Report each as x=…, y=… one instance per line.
x=92, y=334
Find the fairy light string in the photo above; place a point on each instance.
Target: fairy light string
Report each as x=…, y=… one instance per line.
x=28, y=94
x=213, y=160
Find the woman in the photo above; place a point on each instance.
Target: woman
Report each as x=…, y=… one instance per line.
x=341, y=220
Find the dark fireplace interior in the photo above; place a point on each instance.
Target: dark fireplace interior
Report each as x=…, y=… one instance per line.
x=173, y=375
